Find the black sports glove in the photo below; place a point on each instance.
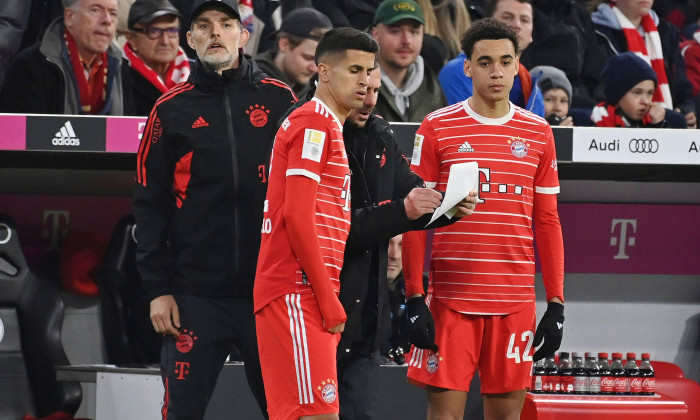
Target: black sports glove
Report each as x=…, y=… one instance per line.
x=421, y=327
x=550, y=329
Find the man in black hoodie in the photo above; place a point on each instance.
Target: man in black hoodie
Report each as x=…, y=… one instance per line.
x=201, y=182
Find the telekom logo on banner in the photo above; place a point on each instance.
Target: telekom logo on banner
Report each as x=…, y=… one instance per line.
x=124, y=134
x=630, y=238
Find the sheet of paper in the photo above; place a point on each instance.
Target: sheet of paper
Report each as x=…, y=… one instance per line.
x=463, y=178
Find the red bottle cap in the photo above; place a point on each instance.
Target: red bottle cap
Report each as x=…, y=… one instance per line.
x=617, y=355
x=631, y=356
x=646, y=356
x=602, y=355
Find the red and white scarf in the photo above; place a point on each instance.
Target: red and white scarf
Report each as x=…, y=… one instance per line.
x=178, y=71
x=91, y=79
x=607, y=116
x=649, y=48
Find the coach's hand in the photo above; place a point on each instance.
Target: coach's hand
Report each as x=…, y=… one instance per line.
x=550, y=329
x=421, y=201
x=165, y=315
x=421, y=327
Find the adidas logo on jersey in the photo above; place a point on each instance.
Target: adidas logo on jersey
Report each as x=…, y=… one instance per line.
x=560, y=325
x=413, y=319
x=200, y=123
x=465, y=147
x=65, y=136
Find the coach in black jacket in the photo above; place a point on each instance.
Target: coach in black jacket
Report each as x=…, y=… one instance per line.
x=387, y=199
x=201, y=184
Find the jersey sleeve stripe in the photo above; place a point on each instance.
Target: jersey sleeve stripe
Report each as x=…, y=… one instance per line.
x=547, y=190
x=279, y=83
x=304, y=172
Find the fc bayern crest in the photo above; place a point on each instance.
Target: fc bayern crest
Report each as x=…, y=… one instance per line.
x=518, y=147
x=185, y=341
x=433, y=363
x=329, y=393
x=258, y=115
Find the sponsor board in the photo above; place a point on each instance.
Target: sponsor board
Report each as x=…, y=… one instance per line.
x=636, y=145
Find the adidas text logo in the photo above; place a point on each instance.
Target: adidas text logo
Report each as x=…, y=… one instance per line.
x=465, y=147
x=413, y=319
x=200, y=123
x=65, y=136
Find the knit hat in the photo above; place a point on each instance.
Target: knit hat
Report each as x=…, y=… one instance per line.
x=549, y=78
x=392, y=11
x=622, y=72
x=306, y=22
x=146, y=11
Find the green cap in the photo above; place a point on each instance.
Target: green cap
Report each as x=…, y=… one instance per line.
x=392, y=11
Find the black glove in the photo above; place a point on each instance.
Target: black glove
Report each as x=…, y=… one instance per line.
x=550, y=329
x=421, y=327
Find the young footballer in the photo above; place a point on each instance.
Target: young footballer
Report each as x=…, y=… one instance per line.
x=305, y=226
x=482, y=271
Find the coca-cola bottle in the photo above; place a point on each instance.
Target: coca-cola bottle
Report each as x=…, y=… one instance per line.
x=632, y=371
x=593, y=374
x=579, y=373
x=646, y=371
x=537, y=377
x=606, y=378
x=617, y=371
x=566, y=376
x=551, y=376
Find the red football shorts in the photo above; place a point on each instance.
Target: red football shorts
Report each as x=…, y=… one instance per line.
x=297, y=356
x=500, y=346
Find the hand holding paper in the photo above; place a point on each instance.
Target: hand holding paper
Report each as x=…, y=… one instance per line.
x=463, y=178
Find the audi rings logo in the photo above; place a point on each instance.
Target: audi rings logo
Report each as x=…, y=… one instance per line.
x=644, y=146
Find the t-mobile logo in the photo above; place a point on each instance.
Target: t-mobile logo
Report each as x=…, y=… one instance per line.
x=56, y=226
x=182, y=369
x=622, y=241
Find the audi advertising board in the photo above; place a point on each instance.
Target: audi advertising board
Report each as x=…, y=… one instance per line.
x=636, y=145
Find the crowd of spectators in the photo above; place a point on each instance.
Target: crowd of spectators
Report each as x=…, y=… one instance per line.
x=575, y=36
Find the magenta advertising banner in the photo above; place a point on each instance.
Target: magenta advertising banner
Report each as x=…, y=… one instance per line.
x=42, y=221
x=14, y=128
x=124, y=134
x=631, y=238
x=598, y=238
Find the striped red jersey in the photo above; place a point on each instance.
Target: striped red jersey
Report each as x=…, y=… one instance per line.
x=485, y=263
x=309, y=143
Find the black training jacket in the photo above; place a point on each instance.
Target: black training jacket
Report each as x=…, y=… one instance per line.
x=201, y=181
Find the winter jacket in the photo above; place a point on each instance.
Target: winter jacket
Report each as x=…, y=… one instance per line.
x=613, y=39
x=201, y=182
x=13, y=23
x=564, y=37
x=423, y=101
x=143, y=94
x=40, y=80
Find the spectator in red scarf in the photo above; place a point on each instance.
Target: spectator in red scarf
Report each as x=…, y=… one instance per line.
x=74, y=69
x=154, y=62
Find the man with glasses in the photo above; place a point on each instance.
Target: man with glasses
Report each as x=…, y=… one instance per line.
x=154, y=60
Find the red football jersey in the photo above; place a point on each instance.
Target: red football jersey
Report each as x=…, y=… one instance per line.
x=309, y=143
x=485, y=263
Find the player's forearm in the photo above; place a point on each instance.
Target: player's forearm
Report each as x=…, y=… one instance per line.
x=413, y=256
x=550, y=245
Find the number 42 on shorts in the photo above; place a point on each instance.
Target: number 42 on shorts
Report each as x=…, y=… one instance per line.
x=513, y=351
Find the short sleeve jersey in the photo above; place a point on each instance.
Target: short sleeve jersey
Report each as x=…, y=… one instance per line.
x=485, y=263
x=309, y=143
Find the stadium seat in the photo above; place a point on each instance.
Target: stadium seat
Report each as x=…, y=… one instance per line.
x=31, y=317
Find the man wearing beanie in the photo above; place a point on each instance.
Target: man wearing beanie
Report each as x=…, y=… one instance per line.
x=292, y=61
x=629, y=87
x=556, y=92
x=154, y=60
x=198, y=201
x=410, y=89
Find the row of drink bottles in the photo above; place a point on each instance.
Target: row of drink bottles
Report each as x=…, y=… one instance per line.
x=593, y=376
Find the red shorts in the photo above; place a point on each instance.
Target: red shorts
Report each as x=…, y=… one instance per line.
x=297, y=356
x=500, y=346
